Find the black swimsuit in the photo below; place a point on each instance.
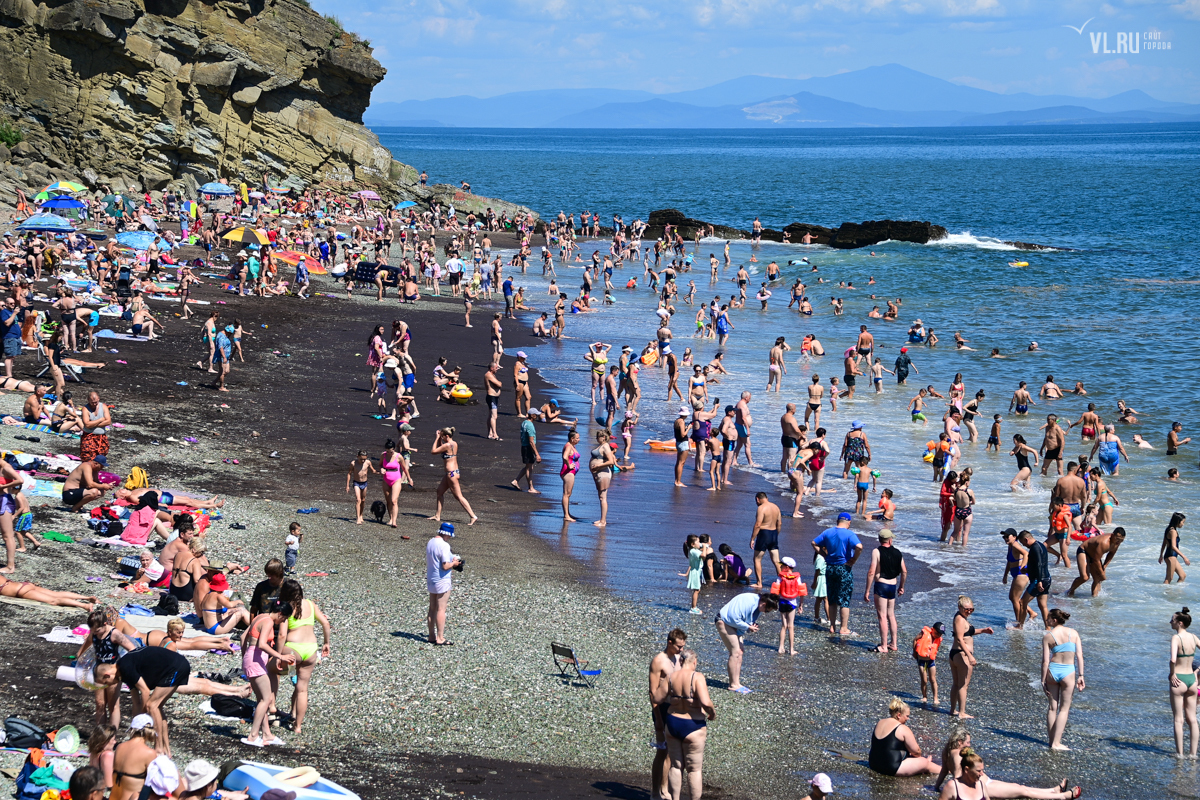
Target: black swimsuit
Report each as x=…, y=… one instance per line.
x=887, y=754
x=188, y=590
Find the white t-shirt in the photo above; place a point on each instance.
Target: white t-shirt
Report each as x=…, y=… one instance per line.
x=292, y=542
x=437, y=552
x=454, y=266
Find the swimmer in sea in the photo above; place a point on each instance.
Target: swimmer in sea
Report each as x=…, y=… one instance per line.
x=877, y=370
x=1021, y=400
x=1050, y=390
x=1079, y=388
x=776, y=368
x=996, y=353
x=1089, y=423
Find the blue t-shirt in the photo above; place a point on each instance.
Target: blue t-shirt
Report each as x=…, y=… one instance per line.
x=528, y=434
x=11, y=320
x=508, y=290
x=839, y=543
x=741, y=612
x=224, y=347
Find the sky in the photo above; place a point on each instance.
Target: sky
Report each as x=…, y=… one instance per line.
x=443, y=48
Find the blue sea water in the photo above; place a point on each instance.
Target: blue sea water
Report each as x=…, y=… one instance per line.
x=1116, y=310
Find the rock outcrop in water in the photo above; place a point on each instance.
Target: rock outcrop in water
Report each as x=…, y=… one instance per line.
x=139, y=94
x=849, y=236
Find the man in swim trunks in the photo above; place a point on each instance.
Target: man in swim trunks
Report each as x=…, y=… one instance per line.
x=729, y=439
x=662, y=667
x=1021, y=400
x=840, y=548
x=1173, y=440
x=1070, y=490
x=1088, y=556
x=764, y=537
x=1090, y=422
x=1052, y=444
x=865, y=344
x=851, y=367
x=82, y=486
x=790, y=436
x=742, y=424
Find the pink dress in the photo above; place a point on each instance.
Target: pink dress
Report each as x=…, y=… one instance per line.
x=373, y=359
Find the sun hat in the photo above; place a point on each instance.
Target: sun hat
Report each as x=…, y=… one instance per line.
x=447, y=529
x=198, y=774
x=886, y=534
x=855, y=425
x=162, y=776
x=219, y=583
x=521, y=354
x=822, y=782
x=789, y=561
x=141, y=721
x=684, y=411
x=554, y=402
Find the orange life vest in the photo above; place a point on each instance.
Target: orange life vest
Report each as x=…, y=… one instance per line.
x=926, y=645
x=789, y=586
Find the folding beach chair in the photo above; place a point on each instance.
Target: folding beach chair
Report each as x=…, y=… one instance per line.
x=568, y=663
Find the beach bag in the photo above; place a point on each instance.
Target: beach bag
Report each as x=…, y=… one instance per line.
x=168, y=605
x=226, y=705
x=138, y=479
x=23, y=733
x=128, y=566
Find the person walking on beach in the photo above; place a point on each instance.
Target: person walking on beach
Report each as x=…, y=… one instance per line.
x=764, y=536
x=359, y=474
x=1038, y=569
x=445, y=446
x=439, y=563
x=1170, y=552
x=1015, y=568
x=840, y=548
x=1052, y=444
x=737, y=618
x=662, y=667
x=688, y=713
x=742, y=422
x=493, y=388
x=885, y=579
x=260, y=665
x=529, y=456
x=602, y=461
x=1088, y=556
x=1061, y=650
x=1182, y=681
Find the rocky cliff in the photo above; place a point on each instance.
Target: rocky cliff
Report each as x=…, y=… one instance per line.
x=143, y=93
x=849, y=236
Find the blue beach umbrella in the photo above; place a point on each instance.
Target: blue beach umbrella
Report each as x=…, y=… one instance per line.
x=217, y=188
x=403, y=205
x=46, y=222
x=63, y=201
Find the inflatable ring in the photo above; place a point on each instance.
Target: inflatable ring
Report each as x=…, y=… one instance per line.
x=300, y=776
x=461, y=393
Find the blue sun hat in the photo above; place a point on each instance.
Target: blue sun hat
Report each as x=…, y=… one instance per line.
x=447, y=529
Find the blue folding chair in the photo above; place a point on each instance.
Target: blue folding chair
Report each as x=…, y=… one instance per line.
x=568, y=663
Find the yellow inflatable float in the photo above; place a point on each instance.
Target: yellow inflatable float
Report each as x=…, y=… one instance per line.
x=461, y=394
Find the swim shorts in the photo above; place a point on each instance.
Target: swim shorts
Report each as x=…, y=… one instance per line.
x=741, y=430
x=841, y=584
x=72, y=496
x=849, y=379
x=766, y=540
x=527, y=455
x=1054, y=455
x=1075, y=509
x=1033, y=589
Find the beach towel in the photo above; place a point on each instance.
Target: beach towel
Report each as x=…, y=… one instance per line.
x=34, y=426
x=137, y=529
x=62, y=635
x=128, y=337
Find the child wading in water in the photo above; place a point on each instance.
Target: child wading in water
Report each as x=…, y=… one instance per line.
x=820, y=595
x=925, y=650
x=695, y=570
x=791, y=591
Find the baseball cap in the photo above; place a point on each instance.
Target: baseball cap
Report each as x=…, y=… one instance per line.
x=903, y=349
x=886, y=534
x=1009, y=532
x=198, y=774
x=101, y=460
x=162, y=777
x=822, y=782
x=406, y=427
x=141, y=721
x=447, y=529
x=938, y=627
x=230, y=329
x=521, y=354
x=789, y=561
x=845, y=515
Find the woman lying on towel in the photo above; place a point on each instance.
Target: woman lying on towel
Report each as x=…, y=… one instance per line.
x=168, y=499
x=25, y=590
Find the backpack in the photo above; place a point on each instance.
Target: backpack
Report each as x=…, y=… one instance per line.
x=168, y=605
x=138, y=479
x=925, y=645
x=226, y=705
x=22, y=733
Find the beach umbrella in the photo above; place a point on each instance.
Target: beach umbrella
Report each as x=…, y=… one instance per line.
x=66, y=186
x=149, y=222
x=217, y=188
x=366, y=194
x=403, y=205
x=245, y=233
x=289, y=256
x=46, y=222
x=278, y=189
x=139, y=240
x=41, y=196
x=257, y=195
x=63, y=201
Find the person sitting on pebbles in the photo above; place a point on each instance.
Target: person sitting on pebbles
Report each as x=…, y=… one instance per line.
x=220, y=614
x=550, y=412
x=83, y=485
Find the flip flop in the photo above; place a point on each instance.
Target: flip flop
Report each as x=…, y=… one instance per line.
x=252, y=742
x=743, y=690
x=94, y=579
x=276, y=742
x=443, y=644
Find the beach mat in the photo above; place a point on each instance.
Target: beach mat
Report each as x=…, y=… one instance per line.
x=17, y=601
x=128, y=337
x=34, y=426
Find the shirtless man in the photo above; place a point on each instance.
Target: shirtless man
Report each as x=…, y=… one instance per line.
x=1088, y=557
x=1021, y=400
x=815, y=392
x=742, y=423
x=1173, y=440
x=359, y=474
x=729, y=438
x=1050, y=390
x=1089, y=422
x=82, y=487
x=662, y=667
x=776, y=369
x=866, y=343
x=851, y=366
x=764, y=537
x=172, y=549
x=35, y=410
x=789, y=436
x=1070, y=489
x=1052, y=444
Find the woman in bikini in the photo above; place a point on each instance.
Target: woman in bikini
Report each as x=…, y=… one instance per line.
x=132, y=758
x=964, y=499
x=601, y=463
x=962, y=657
x=1105, y=499
x=394, y=471
x=297, y=636
x=570, y=466
x=1170, y=552
x=261, y=663
x=26, y=590
x=688, y=714
x=521, y=386
x=960, y=740
x=445, y=446
x=173, y=639
x=1061, y=650
x=1182, y=680
x=971, y=784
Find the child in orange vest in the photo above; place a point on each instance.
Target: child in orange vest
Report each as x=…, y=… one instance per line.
x=925, y=650
x=791, y=590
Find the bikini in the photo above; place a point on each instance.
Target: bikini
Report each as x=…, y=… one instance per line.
x=450, y=473
x=1187, y=678
x=1060, y=672
x=306, y=650
x=970, y=633
x=682, y=727
x=1016, y=570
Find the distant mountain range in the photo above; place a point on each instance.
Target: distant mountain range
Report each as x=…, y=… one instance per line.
x=886, y=96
